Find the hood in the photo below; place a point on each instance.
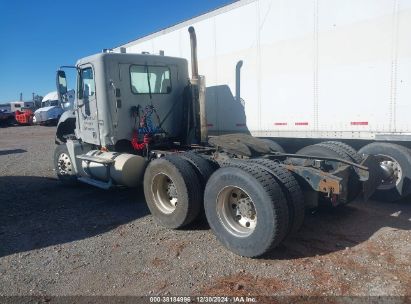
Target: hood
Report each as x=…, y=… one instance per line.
x=45, y=109
x=50, y=96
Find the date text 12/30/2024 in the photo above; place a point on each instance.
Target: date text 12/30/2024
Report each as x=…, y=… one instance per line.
x=202, y=299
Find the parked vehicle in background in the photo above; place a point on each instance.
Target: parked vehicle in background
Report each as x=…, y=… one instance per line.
x=52, y=108
x=19, y=105
x=6, y=117
x=20, y=112
x=24, y=116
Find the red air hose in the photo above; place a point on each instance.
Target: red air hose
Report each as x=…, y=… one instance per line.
x=140, y=146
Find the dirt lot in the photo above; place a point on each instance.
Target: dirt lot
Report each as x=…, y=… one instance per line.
x=86, y=241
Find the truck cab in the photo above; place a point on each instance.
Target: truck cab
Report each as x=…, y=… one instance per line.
x=52, y=108
x=114, y=90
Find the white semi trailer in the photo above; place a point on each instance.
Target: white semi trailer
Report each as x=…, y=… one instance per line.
x=314, y=70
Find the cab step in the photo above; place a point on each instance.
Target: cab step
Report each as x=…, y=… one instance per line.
x=96, y=183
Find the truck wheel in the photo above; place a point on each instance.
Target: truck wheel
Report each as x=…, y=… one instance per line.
x=353, y=184
x=11, y=121
x=203, y=167
x=63, y=165
x=172, y=191
x=322, y=150
x=350, y=151
x=246, y=209
x=291, y=189
x=273, y=145
x=395, y=161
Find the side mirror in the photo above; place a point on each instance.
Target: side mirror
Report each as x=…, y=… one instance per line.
x=61, y=83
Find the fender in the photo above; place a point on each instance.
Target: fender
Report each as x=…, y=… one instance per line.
x=65, y=126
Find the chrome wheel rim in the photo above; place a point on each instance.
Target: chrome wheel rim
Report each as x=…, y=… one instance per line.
x=164, y=193
x=64, y=165
x=392, y=172
x=236, y=211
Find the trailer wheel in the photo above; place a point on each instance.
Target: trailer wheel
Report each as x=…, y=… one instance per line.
x=63, y=165
x=353, y=184
x=246, y=209
x=395, y=162
x=291, y=189
x=273, y=145
x=172, y=191
x=350, y=151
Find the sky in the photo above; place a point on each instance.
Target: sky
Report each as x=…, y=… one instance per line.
x=36, y=37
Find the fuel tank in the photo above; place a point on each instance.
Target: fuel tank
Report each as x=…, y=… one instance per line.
x=124, y=169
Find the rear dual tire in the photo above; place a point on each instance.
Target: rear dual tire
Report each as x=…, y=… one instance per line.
x=290, y=188
x=203, y=167
x=172, y=191
x=341, y=151
x=347, y=149
x=274, y=146
x=246, y=209
x=174, y=188
x=257, y=223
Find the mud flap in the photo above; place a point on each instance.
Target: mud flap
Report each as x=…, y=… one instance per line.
x=374, y=178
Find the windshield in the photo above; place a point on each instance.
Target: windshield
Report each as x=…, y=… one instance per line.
x=49, y=103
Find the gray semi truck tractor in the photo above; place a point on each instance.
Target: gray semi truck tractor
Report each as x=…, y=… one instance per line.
x=139, y=119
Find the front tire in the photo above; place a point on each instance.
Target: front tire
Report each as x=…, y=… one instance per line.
x=63, y=165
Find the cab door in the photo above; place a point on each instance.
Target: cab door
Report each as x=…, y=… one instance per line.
x=87, y=106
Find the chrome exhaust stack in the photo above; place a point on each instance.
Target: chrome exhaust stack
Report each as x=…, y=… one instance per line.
x=199, y=82
x=194, y=61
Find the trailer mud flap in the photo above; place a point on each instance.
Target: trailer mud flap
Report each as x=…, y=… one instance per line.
x=374, y=178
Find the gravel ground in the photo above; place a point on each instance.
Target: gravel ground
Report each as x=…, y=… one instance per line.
x=86, y=241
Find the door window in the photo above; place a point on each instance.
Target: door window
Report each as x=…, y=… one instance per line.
x=87, y=87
